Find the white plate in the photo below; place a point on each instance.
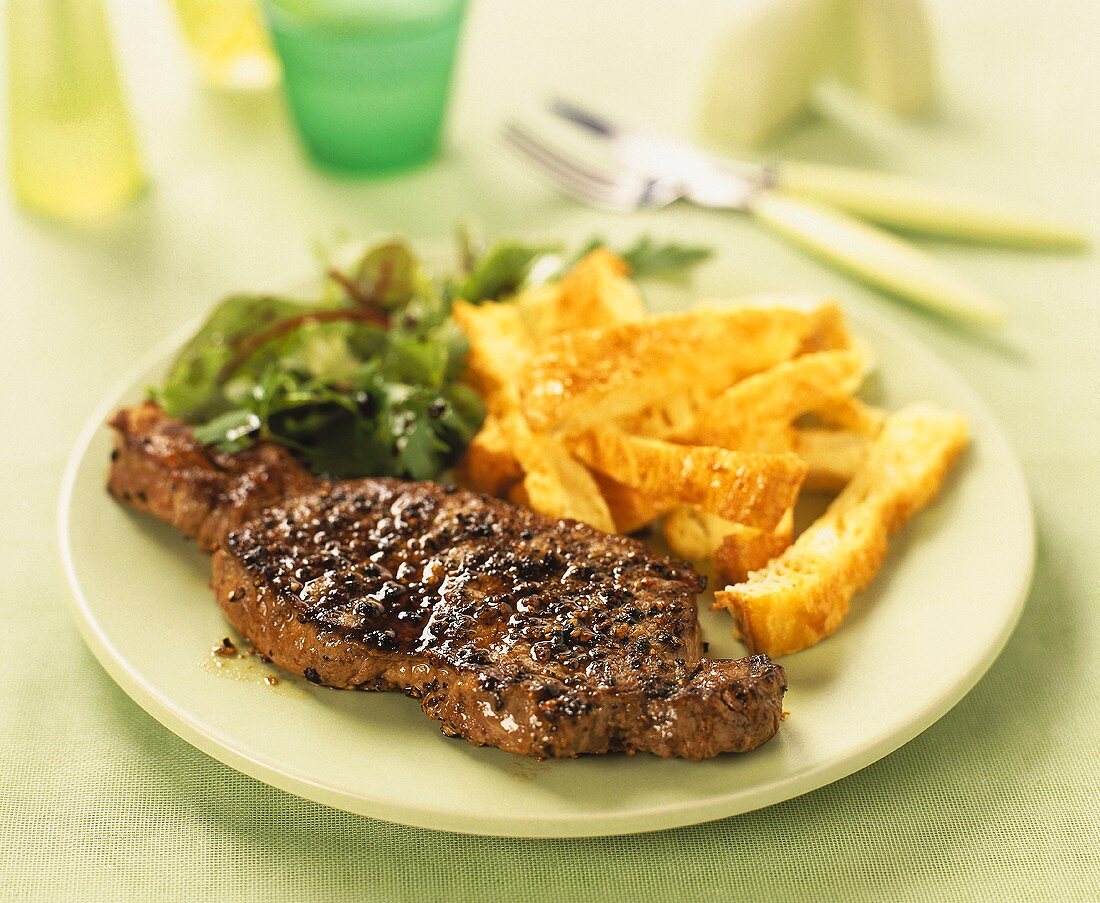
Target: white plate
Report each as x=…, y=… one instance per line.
x=936, y=617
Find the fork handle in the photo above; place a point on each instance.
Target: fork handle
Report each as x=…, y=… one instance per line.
x=912, y=205
x=875, y=256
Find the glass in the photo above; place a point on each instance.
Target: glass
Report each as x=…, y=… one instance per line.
x=367, y=81
x=229, y=42
x=73, y=153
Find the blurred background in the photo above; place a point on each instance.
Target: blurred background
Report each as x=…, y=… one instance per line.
x=224, y=181
x=218, y=189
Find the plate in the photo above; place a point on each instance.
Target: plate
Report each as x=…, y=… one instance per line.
x=914, y=643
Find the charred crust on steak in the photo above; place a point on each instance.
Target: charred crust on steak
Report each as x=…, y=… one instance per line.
x=411, y=569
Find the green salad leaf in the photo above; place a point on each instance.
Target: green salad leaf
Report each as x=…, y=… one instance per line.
x=192, y=390
x=505, y=268
x=499, y=271
x=650, y=259
x=389, y=276
x=363, y=384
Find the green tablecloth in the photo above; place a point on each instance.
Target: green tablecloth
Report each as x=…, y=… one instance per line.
x=998, y=801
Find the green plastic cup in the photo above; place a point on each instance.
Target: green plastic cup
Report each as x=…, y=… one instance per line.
x=367, y=80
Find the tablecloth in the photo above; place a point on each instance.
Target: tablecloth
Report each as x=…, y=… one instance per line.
x=997, y=801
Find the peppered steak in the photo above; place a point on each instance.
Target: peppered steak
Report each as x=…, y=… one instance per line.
x=537, y=636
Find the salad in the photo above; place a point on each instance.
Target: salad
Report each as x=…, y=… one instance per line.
x=365, y=380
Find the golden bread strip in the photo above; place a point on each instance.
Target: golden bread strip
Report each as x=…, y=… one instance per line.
x=803, y=595
x=736, y=549
x=489, y=464
x=848, y=413
x=668, y=417
x=595, y=292
x=499, y=348
x=776, y=396
x=832, y=456
x=744, y=550
x=589, y=377
x=694, y=534
x=828, y=330
x=745, y=487
x=554, y=483
x=630, y=509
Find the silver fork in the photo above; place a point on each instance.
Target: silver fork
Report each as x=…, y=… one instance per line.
x=620, y=189
x=874, y=256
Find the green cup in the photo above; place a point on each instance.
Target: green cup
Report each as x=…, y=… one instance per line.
x=367, y=80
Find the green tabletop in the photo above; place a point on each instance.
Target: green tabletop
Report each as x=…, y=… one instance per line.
x=998, y=801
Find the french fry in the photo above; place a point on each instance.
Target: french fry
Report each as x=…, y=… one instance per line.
x=828, y=330
x=670, y=417
x=588, y=377
x=595, y=292
x=746, y=487
x=804, y=594
x=517, y=495
x=694, y=534
x=554, y=483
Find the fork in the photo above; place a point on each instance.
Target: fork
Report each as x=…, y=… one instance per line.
x=870, y=254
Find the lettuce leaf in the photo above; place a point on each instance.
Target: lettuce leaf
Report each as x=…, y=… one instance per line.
x=650, y=259
x=499, y=272
x=363, y=384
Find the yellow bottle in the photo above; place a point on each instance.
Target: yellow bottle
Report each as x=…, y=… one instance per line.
x=229, y=43
x=73, y=154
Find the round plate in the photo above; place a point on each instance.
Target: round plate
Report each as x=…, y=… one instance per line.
x=935, y=618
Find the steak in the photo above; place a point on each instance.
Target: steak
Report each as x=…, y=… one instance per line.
x=537, y=636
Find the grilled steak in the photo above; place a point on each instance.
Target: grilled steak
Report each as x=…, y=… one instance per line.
x=537, y=636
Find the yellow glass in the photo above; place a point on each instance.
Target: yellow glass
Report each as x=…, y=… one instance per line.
x=229, y=43
x=73, y=153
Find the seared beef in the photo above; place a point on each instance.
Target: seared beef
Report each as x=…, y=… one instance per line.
x=158, y=466
x=537, y=636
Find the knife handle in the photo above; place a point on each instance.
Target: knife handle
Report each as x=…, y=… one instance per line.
x=930, y=209
x=875, y=256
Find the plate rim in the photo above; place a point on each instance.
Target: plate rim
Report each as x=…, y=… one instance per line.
x=655, y=818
